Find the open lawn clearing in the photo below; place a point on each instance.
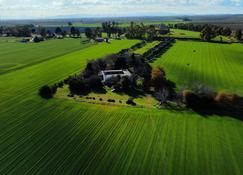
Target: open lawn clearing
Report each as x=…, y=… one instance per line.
x=219, y=66
x=178, y=33
x=141, y=100
x=18, y=55
x=66, y=137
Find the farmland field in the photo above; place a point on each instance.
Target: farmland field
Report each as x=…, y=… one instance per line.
x=146, y=47
x=219, y=66
x=65, y=137
x=183, y=33
x=15, y=55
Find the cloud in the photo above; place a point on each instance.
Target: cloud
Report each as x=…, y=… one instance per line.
x=45, y=8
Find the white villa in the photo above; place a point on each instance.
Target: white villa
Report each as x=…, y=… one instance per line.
x=107, y=75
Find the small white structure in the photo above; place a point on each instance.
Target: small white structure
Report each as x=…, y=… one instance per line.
x=108, y=75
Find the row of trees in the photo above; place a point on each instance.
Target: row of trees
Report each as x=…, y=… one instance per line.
x=159, y=49
x=207, y=102
x=112, y=29
x=208, y=32
x=28, y=30
x=141, y=31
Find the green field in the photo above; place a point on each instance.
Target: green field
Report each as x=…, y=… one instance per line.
x=15, y=55
x=67, y=137
x=220, y=66
x=178, y=33
x=146, y=47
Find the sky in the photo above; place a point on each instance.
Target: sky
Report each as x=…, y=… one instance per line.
x=17, y=9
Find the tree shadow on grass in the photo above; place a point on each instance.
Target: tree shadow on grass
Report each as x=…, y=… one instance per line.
x=134, y=93
x=234, y=110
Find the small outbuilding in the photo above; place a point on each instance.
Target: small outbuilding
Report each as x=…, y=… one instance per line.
x=99, y=39
x=109, y=75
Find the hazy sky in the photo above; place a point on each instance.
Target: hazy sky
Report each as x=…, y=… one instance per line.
x=87, y=8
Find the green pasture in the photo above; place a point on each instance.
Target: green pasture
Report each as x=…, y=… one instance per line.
x=146, y=47
x=62, y=136
x=15, y=55
x=219, y=66
x=178, y=33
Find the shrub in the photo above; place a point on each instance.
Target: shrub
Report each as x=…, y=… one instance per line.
x=46, y=92
x=131, y=102
x=54, y=88
x=61, y=84
x=94, y=82
x=77, y=86
x=223, y=98
x=111, y=101
x=198, y=101
x=101, y=99
x=70, y=95
x=191, y=99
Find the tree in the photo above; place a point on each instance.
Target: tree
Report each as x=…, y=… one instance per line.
x=207, y=34
x=158, y=78
x=162, y=95
x=78, y=33
x=151, y=32
x=191, y=99
x=43, y=32
x=88, y=33
x=226, y=31
x=70, y=23
x=73, y=31
x=46, y=92
x=58, y=31
x=238, y=34
x=77, y=86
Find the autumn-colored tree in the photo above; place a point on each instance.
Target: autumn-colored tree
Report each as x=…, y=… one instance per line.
x=223, y=98
x=158, y=77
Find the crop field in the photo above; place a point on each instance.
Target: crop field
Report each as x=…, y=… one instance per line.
x=66, y=137
x=15, y=55
x=220, y=66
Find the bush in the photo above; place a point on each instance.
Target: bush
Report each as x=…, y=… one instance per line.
x=198, y=101
x=111, y=101
x=191, y=99
x=77, y=86
x=54, y=88
x=101, y=99
x=131, y=102
x=94, y=82
x=60, y=84
x=46, y=92
x=225, y=99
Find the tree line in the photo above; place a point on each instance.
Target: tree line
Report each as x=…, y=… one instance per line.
x=209, y=31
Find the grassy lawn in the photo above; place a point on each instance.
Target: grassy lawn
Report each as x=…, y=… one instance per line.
x=178, y=33
x=62, y=136
x=14, y=55
x=142, y=101
x=220, y=66
x=146, y=47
